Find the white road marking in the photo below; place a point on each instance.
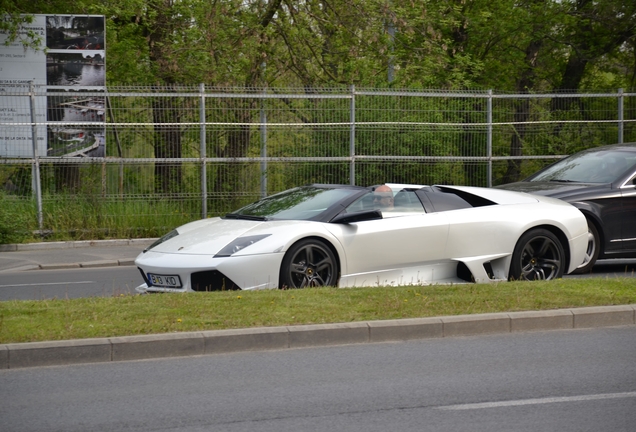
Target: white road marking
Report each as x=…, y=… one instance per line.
x=547, y=400
x=48, y=283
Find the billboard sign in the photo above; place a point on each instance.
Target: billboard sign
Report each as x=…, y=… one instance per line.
x=72, y=69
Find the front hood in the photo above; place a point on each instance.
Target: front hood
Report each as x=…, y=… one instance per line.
x=207, y=236
x=554, y=189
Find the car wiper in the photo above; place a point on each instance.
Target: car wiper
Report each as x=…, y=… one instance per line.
x=562, y=181
x=244, y=217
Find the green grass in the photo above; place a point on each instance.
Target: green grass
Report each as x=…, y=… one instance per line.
x=76, y=218
x=17, y=219
x=120, y=315
x=70, y=217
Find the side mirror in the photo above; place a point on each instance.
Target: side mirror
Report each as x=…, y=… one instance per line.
x=345, y=218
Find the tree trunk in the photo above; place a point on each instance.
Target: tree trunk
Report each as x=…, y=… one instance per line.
x=522, y=112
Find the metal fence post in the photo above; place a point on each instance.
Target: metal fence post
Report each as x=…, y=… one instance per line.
x=36, y=159
x=489, y=138
x=263, y=147
x=203, y=155
x=352, y=138
x=621, y=122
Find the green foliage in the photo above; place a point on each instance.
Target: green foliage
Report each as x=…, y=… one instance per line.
x=82, y=217
x=501, y=44
x=17, y=218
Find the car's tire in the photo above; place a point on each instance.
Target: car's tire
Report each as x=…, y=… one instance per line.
x=538, y=255
x=309, y=263
x=593, y=250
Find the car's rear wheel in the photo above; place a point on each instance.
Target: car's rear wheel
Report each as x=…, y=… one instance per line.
x=309, y=263
x=538, y=255
x=593, y=250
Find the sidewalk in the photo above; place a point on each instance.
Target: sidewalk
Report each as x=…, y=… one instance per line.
x=71, y=254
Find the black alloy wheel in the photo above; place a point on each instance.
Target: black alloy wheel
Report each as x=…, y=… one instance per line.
x=538, y=255
x=309, y=263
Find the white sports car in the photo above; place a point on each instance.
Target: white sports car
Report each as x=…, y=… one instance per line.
x=352, y=236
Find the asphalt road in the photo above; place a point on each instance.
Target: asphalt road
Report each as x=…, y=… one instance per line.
x=567, y=381
x=611, y=268
x=69, y=283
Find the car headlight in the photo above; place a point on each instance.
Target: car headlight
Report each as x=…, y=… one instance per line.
x=165, y=238
x=239, y=244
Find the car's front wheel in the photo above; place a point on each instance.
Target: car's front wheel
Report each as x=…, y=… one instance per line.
x=593, y=250
x=309, y=263
x=538, y=255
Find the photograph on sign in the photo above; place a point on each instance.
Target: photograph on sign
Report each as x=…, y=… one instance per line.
x=75, y=58
x=69, y=32
x=75, y=69
x=80, y=137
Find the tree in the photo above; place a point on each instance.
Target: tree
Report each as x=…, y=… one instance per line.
x=520, y=46
x=593, y=29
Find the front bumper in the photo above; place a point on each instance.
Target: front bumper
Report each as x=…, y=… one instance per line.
x=206, y=273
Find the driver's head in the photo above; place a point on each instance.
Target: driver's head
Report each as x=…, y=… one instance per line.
x=383, y=197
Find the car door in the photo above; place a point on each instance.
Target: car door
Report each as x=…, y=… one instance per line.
x=400, y=239
x=609, y=208
x=628, y=219
x=397, y=242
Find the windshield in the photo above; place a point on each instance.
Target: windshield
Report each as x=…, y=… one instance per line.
x=302, y=203
x=604, y=166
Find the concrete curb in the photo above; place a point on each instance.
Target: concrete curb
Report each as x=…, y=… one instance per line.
x=36, y=354
x=90, y=264
x=50, y=246
x=22, y=247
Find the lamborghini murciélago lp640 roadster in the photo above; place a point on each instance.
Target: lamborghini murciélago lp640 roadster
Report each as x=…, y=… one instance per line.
x=387, y=235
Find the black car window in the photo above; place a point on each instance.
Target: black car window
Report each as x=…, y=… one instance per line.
x=631, y=181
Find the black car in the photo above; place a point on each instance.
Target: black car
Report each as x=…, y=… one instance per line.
x=601, y=182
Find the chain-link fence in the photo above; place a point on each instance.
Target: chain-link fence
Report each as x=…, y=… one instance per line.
x=137, y=161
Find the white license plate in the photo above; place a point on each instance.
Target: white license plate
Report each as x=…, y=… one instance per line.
x=164, y=281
